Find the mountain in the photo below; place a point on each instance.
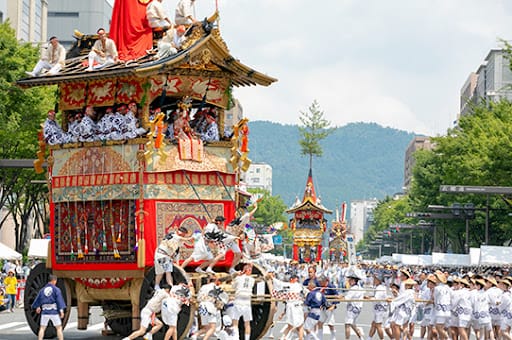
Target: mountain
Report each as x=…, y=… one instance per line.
x=360, y=161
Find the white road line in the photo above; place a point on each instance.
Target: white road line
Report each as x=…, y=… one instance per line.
x=11, y=324
x=96, y=326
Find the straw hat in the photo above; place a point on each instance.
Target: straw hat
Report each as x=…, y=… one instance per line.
x=505, y=282
x=440, y=276
x=464, y=282
x=480, y=282
x=405, y=272
x=491, y=280
x=432, y=278
x=410, y=282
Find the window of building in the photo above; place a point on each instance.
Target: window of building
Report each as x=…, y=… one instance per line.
x=255, y=180
x=63, y=14
x=1, y=17
x=258, y=170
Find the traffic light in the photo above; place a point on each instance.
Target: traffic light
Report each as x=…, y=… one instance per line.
x=469, y=210
x=456, y=209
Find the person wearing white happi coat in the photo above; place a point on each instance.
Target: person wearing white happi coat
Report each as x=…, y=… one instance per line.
x=118, y=124
x=88, y=130
x=207, y=297
x=292, y=293
x=131, y=122
x=505, y=309
x=243, y=286
x=353, y=307
x=442, y=305
x=401, y=308
x=105, y=124
x=184, y=14
x=153, y=306
x=427, y=294
x=494, y=295
x=380, y=308
x=462, y=308
x=103, y=52
x=481, y=319
x=171, y=307
x=52, y=59
x=73, y=127
x=52, y=132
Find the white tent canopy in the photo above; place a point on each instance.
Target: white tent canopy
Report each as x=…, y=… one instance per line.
x=38, y=248
x=7, y=253
x=495, y=255
x=450, y=259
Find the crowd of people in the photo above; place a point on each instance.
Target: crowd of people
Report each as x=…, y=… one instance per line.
x=121, y=123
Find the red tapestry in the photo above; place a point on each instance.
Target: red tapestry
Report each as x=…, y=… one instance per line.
x=72, y=96
x=130, y=29
x=94, y=231
x=129, y=89
x=101, y=92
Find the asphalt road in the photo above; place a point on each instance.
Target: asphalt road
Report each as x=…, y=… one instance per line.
x=13, y=326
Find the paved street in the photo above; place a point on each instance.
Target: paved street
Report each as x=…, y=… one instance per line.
x=14, y=327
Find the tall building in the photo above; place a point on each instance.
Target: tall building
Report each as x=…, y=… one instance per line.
x=467, y=94
x=361, y=216
x=64, y=16
x=259, y=176
x=27, y=17
x=417, y=143
x=232, y=116
x=491, y=82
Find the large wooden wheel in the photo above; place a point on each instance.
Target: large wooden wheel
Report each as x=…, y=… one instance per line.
x=38, y=278
x=262, y=312
x=120, y=324
x=186, y=315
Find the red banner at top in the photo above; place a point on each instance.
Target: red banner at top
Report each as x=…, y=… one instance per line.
x=130, y=29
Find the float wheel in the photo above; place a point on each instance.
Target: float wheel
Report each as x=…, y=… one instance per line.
x=186, y=315
x=37, y=279
x=262, y=311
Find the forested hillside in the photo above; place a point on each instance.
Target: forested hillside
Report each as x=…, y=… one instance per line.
x=360, y=161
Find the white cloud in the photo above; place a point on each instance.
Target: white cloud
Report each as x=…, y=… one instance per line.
x=399, y=63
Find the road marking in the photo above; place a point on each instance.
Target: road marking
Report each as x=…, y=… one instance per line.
x=11, y=324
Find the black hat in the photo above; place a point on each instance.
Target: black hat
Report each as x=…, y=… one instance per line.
x=220, y=219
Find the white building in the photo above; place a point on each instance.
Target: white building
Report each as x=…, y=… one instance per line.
x=27, y=17
x=64, y=16
x=492, y=81
x=259, y=176
x=361, y=216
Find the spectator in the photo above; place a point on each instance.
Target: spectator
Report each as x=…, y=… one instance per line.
x=11, y=284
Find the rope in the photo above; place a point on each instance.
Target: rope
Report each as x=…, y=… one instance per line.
x=197, y=194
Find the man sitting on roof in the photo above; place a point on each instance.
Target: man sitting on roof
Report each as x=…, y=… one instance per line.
x=156, y=15
x=103, y=52
x=170, y=42
x=52, y=59
x=185, y=13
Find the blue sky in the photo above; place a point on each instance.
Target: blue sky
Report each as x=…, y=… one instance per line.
x=399, y=63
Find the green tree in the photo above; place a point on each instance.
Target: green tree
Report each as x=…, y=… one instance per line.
x=475, y=153
x=270, y=209
x=21, y=113
x=313, y=128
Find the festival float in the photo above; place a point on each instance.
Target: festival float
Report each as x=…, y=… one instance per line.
x=308, y=224
x=337, y=237
x=112, y=201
